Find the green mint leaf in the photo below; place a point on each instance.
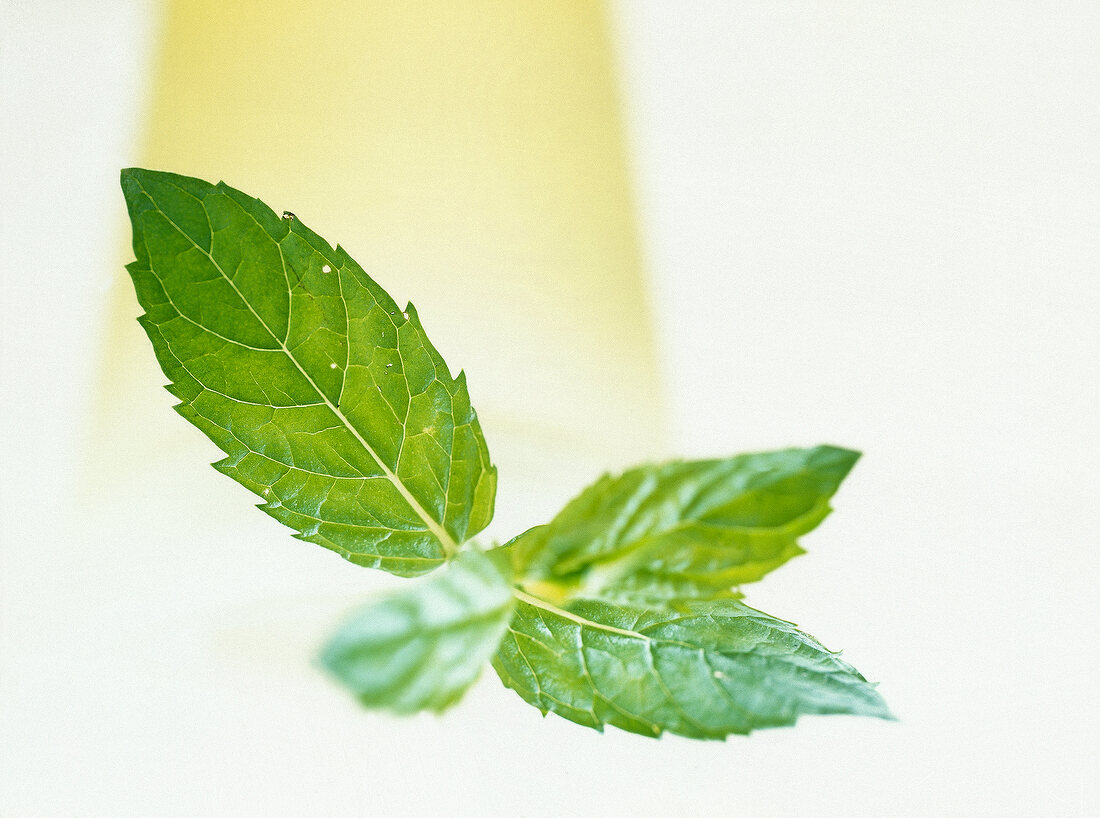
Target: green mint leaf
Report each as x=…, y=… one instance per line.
x=706, y=669
x=328, y=400
x=421, y=649
x=685, y=529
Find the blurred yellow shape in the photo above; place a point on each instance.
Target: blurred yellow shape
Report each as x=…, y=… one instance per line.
x=470, y=156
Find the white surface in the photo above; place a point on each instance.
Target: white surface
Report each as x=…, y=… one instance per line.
x=869, y=224
x=876, y=224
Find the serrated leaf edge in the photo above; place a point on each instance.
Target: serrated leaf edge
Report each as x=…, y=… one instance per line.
x=450, y=547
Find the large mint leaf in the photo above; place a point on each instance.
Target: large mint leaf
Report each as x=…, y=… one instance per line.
x=685, y=529
x=328, y=400
x=703, y=670
x=421, y=649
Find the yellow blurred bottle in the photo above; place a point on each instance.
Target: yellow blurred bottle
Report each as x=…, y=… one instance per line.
x=470, y=155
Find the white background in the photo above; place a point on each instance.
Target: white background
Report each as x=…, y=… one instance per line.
x=869, y=224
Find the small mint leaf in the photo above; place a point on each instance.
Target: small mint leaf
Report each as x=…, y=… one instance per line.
x=421, y=649
x=685, y=529
x=704, y=670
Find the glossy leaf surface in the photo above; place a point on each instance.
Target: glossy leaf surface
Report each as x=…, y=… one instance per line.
x=421, y=649
x=704, y=670
x=686, y=529
x=328, y=400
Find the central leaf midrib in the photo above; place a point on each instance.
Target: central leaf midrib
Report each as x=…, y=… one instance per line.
x=446, y=542
x=536, y=602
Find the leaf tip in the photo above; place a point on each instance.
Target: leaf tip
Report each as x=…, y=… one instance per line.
x=888, y=715
x=132, y=173
x=839, y=453
x=131, y=178
x=834, y=460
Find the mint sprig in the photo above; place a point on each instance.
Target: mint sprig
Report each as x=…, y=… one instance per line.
x=331, y=404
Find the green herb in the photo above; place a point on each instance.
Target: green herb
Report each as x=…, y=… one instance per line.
x=331, y=404
x=421, y=649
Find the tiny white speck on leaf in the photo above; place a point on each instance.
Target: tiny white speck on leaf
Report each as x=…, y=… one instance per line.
x=326, y=269
x=405, y=314
x=719, y=674
x=332, y=366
